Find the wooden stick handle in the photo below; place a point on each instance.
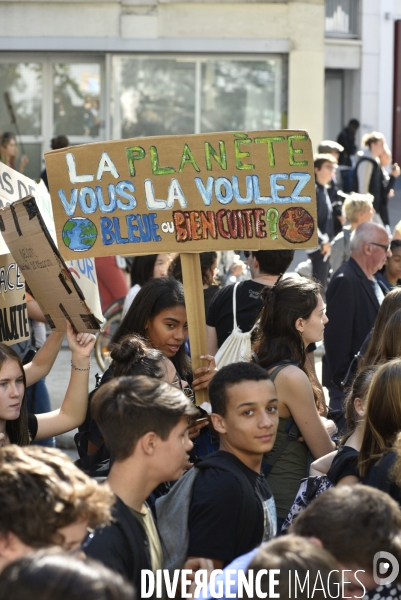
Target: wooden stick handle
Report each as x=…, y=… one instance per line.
x=195, y=306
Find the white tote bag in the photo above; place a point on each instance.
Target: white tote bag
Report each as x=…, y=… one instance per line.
x=237, y=347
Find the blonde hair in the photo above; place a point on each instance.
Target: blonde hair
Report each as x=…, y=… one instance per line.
x=356, y=203
x=371, y=138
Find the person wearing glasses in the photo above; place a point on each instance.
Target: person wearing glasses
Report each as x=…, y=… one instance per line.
x=131, y=356
x=354, y=297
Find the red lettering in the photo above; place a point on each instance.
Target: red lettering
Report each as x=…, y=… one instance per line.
x=259, y=224
x=219, y=215
x=208, y=221
x=248, y=222
x=195, y=225
x=182, y=231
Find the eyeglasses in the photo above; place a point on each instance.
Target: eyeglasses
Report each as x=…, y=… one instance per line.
x=385, y=248
x=177, y=382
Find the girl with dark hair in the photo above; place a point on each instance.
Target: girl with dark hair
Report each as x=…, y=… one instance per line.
x=292, y=317
x=379, y=461
x=158, y=314
x=390, y=342
x=144, y=268
x=131, y=356
x=341, y=466
x=19, y=427
x=373, y=353
x=48, y=575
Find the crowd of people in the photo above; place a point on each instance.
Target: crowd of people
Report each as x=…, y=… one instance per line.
x=270, y=476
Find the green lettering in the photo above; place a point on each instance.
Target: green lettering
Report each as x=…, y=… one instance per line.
x=134, y=153
x=292, y=152
x=188, y=157
x=269, y=141
x=239, y=154
x=221, y=158
x=154, y=159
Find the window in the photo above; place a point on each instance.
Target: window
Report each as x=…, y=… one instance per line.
x=171, y=96
x=50, y=97
x=342, y=18
x=76, y=99
x=149, y=95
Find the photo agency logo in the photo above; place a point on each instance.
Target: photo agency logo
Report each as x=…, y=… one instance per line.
x=385, y=568
x=262, y=583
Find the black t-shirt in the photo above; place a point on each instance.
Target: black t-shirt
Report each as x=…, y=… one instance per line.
x=249, y=303
x=32, y=428
x=208, y=294
x=379, y=477
x=344, y=463
x=214, y=522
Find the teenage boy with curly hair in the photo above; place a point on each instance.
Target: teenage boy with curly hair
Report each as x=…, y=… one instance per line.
x=45, y=501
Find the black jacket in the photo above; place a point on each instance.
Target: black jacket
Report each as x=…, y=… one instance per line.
x=122, y=546
x=347, y=140
x=324, y=213
x=375, y=183
x=352, y=308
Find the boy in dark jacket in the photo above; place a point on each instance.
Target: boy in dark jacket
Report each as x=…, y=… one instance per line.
x=245, y=415
x=144, y=423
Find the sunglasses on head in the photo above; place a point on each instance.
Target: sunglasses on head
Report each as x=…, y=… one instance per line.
x=247, y=254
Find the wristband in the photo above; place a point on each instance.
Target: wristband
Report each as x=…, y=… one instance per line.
x=78, y=368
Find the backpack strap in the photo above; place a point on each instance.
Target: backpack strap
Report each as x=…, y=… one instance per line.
x=235, y=305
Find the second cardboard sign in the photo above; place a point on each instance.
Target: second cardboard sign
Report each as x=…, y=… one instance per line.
x=43, y=268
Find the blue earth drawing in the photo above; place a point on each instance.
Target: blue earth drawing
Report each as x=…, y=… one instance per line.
x=79, y=234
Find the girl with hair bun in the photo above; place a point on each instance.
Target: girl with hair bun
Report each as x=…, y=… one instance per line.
x=133, y=356
x=292, y=317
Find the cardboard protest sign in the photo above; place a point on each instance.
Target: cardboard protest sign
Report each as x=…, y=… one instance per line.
x=247, y=191
x=14, y=186
x=46, y=273
x=14, y=325
x=84, y=272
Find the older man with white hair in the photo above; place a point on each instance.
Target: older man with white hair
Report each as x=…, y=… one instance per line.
x=353, y=301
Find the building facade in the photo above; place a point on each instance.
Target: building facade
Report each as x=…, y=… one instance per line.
x=112, y=69
x=363, y=67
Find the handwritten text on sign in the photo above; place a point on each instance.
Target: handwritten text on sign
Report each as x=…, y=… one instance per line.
x=185, y=193
x=14, y=325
